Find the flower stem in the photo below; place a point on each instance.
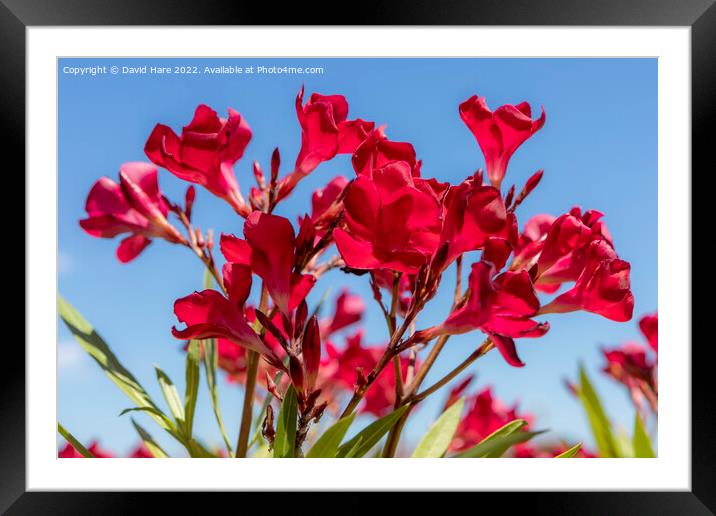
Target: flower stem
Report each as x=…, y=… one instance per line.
x=252, y=366
x=252, y=359
x=486, y=346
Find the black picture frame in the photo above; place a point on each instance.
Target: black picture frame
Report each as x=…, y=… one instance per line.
x=700, y=15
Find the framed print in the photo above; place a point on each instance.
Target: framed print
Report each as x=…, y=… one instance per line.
x=449, y=233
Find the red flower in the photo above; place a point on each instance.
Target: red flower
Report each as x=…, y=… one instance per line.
x=339, y=370
x=269, y=250
x=629, y=365
x=349, y=310
x=501, y=307
x=208, y=314
x=649, y=325
x=392, y=221
x=473, y=214
x=325, y=131
x=603, y=286
x=484, y=415
x=69, y=452
x=135, y=206
x=205, y=152
x=377, y=150
x=141, y=452
x=325, y=206
x=499, y=133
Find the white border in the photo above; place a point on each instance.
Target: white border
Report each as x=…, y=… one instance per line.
x=670, y=471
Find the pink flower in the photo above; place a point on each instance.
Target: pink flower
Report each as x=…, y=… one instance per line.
x=392, y=221
x=484, y=415
x=603, y=286
x=499, y=133
x=135, y=206
x=377, y=151
x=349, y=310
x=325, y=204
x=649, y=325
x=500, y=306
x=269, y=251
x=208, y=314
x=205, y=152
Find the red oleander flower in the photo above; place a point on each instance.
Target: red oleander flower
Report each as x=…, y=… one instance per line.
x=205, y=152
x=325, y=131
x=500, y=306
x=141, y=452
x=377, y=151
x=473, y=214
x=629, y=365
x=484, y=415
x=603, y=286
x=649, y=325
x=349, y=310
x=269, y=250
x=69, y=452
x=392, y=221
x=208, y=314
x=499, y=133
x=341, y=369
x=135, y=206
x=326, y=205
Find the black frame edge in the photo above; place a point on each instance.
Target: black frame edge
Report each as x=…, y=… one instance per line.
x=12, y=394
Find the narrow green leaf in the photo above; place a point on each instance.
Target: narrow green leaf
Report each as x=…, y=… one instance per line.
x=572, y=452
x=598, y=421
x=436, y=440
x=371, y=434
x=351, y=453
x=499, y=441
x=171, y=396
x=284, y=444
x=149, y=441
x=193, y=357
x=98, y=349
x=74, y=442
x=149, y=410
x=327, y=445
x=211, y=359
x=642, y=442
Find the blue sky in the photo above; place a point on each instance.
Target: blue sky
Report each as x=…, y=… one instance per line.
x=598, y=149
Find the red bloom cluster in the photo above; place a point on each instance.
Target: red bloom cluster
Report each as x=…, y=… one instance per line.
x=632, y=365
x=390, y=222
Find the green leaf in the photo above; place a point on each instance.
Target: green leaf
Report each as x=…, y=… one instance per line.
x=208, y=279
x=327, y=445
x=284, y=444
x=98, y=349
x=149, y=441
x=436, y=440
x=598, y=421
x=211, y=358
x=171, y=395
x=74, y=442
x=641, y=441
x=354, y=450
x=193, y=357
x=499, y=441
x=371, y=434
x=572, y=452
